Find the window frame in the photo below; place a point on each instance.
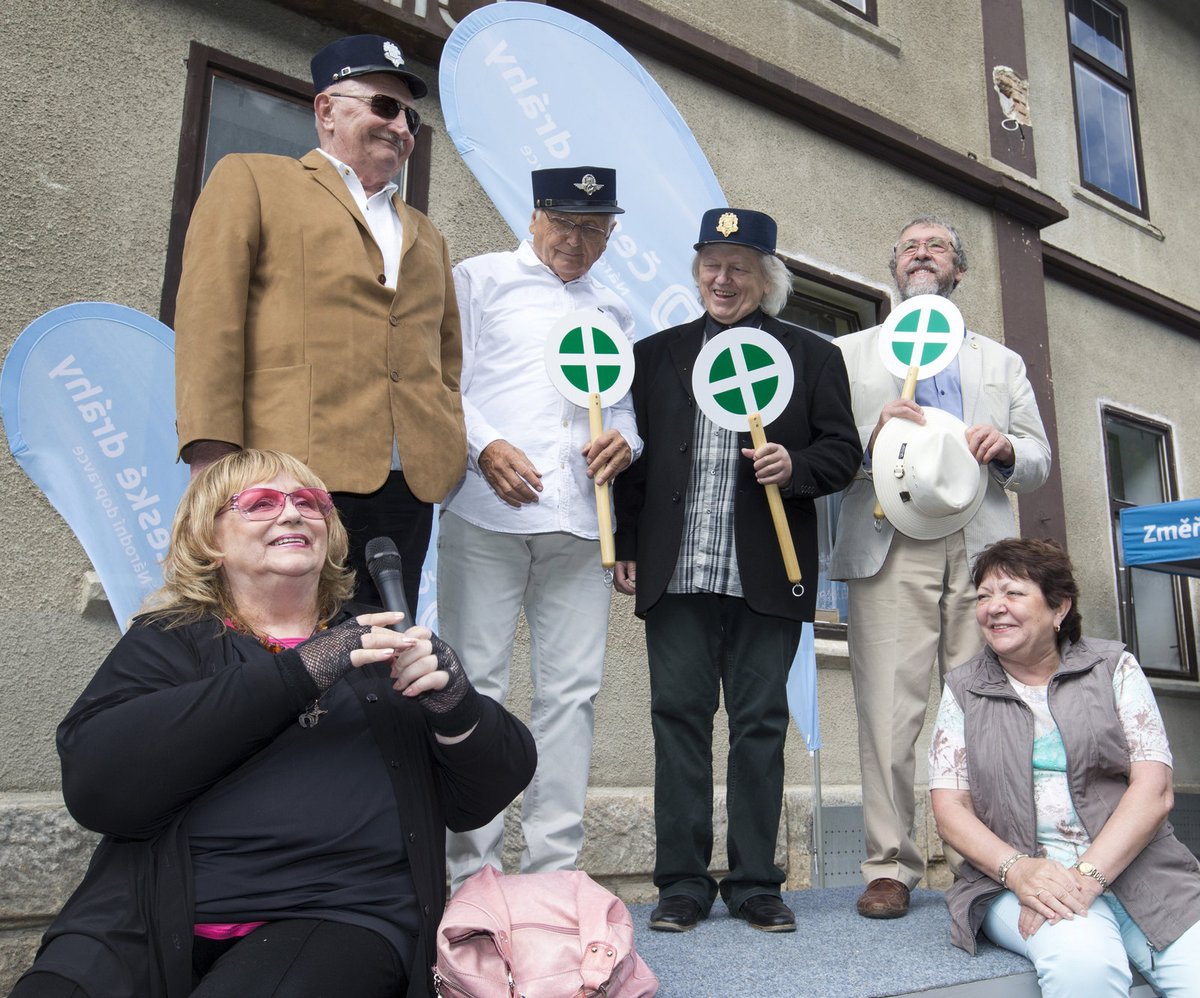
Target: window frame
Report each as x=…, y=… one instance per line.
x=871, y=14
x=840, y=287
x=1181, y=593
x=203, y=64
x=1123, y=82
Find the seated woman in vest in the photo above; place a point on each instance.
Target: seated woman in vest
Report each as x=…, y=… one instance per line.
x=1051, y=775
x=273, y=770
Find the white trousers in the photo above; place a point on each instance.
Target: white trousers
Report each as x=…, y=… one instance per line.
x=918, y=610
x=1091, y=956
x=485, y=578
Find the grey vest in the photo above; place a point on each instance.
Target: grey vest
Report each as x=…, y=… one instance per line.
x=1161, y=887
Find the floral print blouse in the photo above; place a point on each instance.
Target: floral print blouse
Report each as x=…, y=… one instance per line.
x=1059, y=830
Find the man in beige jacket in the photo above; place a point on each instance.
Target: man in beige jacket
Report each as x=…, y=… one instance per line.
x=316, y=312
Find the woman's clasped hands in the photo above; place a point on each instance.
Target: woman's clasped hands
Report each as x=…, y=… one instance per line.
x=414, y=665
x=1048, y=892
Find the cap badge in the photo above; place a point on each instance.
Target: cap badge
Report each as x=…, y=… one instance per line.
x=588, y=185
x=392, y=54
x=727, y=224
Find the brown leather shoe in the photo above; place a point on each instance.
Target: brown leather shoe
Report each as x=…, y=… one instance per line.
x=884, y=898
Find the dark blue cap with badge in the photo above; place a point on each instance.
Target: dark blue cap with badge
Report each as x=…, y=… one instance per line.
x=358, y=55
x=739, y=226
x=577, y=190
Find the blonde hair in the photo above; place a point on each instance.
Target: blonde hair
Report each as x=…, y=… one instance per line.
x=193, y=584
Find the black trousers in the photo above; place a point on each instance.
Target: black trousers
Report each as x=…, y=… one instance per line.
x=391, y=511
x=293, y=958
x=698, y=645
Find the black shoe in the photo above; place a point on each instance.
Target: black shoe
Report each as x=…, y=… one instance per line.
x=767, y=912
x=677, y=913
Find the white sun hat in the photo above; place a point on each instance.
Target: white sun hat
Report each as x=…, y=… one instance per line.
x=926, y=479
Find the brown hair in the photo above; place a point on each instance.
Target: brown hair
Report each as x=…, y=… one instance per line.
x=193, y=584
x=1043, y=563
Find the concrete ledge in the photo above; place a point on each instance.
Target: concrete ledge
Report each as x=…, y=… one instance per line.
x=44, y=853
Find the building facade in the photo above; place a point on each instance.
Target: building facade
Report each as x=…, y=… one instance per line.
x=1056, y=134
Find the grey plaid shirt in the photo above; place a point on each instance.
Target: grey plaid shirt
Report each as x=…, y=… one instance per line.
x=708, y=553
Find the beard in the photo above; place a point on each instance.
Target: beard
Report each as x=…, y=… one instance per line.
x=924, y=280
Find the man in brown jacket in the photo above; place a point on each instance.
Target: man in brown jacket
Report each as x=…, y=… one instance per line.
x=316, y=312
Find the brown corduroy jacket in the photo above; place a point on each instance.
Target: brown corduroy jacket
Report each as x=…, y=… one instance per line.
x=287, y=338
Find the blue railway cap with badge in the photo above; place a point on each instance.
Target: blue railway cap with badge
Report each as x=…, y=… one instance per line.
x=358, y=55
x=577, y=189
x=739, y=227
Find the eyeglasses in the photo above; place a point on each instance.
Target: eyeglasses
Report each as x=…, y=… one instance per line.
x=563, y=226
x=937, y=246
x=266, y=504
x=387, y=108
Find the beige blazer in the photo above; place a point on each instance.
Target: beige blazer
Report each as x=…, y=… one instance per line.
x=995, y=391
x=286, y=337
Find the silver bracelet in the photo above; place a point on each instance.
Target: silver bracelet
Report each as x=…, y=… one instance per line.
x=1007, y=865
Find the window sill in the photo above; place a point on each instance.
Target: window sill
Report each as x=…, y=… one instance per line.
x=1128, y=217
x=1182, y=689
x=832, y=654
x=853, y=23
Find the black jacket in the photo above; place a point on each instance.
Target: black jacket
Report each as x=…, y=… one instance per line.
x=817, y=428
x=167, y=716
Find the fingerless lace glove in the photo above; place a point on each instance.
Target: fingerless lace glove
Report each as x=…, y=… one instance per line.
x=326, y=656
x=457, y=706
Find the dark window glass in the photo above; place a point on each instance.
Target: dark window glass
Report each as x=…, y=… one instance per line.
x=244, y=118
x=830, y=307
x=1155, y=608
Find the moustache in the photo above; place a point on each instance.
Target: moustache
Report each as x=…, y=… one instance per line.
x=918, y=266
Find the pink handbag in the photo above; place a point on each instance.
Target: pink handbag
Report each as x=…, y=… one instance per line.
x=538, y=935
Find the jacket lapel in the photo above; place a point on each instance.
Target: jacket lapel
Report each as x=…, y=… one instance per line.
x=325, y=174
x=684, y=349
x=970, y=373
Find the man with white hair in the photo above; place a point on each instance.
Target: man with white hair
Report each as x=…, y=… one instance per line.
x=520, y=531
x=911, y=601
x=697, y=548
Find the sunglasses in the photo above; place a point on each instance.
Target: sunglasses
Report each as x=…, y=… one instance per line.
x=266, y=504
x=387, y=108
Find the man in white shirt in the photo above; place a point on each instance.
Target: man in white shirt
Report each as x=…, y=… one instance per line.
x=520, y=530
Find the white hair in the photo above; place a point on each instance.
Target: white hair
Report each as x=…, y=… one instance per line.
x=775, y=273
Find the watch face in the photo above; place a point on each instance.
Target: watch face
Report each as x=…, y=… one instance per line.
x=1086, y=869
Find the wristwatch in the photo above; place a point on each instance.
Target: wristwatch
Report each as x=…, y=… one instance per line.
x=1090, y=871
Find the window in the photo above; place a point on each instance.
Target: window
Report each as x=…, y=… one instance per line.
x=1155, y=609
x=1105, y=106
x=865, y=8
x=231, y=105
x=830, y=307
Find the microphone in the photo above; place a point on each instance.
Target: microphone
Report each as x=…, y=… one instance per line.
x=383, y=562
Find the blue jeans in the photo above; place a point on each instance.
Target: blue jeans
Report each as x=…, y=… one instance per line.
x=1091, y=956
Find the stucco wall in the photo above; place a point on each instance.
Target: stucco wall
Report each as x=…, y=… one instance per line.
x=921, y=66
x=1104, y=355
x=87, y=165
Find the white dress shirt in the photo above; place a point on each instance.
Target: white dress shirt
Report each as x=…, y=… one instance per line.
x=381, y=217
x=508, y=303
